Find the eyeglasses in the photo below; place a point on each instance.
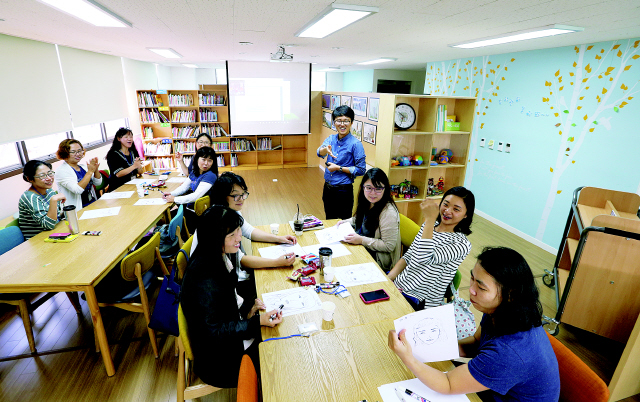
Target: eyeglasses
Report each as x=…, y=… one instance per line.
x=342, y=122
x=43, y=176
x=207, y=143
x=78, y=152
x=242, y=196
x=377, y=190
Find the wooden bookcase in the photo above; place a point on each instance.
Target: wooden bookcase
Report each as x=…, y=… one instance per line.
x=211, y=115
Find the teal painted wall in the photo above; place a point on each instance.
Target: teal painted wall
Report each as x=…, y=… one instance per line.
x=571, y=115
x=358, y=81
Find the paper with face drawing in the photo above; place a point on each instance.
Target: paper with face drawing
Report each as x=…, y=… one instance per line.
x=150, y=201
x=117, y=194
x=280, y=250
x=389, y=394
x=99, y=213
x=431, y=333
x=360, y=274
x=295, y=300
x=334, y=234
x=339, y=250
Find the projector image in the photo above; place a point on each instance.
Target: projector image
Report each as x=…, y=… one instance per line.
x=281, y=56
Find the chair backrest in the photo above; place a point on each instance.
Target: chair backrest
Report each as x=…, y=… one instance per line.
x=105, y=180
x=247, y=381
x=145, y=255
x=408, y=230
x=176, y=222
x=577, y=381
x=457, y=279
x=184, y=333
x=202, y=204
x=181, y=262
x=10, y=237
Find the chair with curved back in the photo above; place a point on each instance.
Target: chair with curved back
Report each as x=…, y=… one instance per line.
x=103, y=187
x=175, y=229
x=248, y=390
x=181, y=262
x=202, y=204
x=185, y=366
x=408, y=231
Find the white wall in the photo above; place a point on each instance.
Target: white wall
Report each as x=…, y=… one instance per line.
x=334, y=81
x=183, y=78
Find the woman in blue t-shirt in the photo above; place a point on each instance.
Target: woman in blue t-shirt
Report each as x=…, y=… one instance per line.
x=512, y=358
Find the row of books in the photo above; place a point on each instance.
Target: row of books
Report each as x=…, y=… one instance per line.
x=151, y=149
x=441, y=117
x=147, y=133
x=220, y=160
x=148, y=99
x=221, y=146
x=185, y=132
x=242, y=145
x=214, y=130
x=208, y=115
x=183, y=116
x=185, y=147
x=264, y=144
x=234, y=160
x=162, y=163
x=180, y=100
x=152, y=116
x=211, y=100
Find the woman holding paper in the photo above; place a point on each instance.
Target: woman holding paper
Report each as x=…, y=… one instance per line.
x=428, y=267
x=76, y=179
x=222, y=325
x=512, y=358
x=377, y=220
x=123, y=160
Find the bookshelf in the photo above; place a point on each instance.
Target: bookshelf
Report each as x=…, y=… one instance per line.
x=172, y=119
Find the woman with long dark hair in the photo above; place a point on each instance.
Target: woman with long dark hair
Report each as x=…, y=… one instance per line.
x=222, y=325
x=512, y=358
x=123, y=159
x=200, y=180
x=426, y=269
x=202, y=140
x=376, y=221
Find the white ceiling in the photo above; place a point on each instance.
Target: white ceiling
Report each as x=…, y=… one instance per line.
x=415, y=32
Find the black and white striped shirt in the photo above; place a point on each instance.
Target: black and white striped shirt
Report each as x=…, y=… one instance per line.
x=431, y=265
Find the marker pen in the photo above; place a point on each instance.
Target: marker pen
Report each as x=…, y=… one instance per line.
x=415, y=396
x=278, y=310
x=288, y=256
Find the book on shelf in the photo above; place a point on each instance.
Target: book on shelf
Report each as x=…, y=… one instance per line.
x=441, y=117
x=147, y=133
x=234, y=160
x=185, y=147
x=162, y=163
x=152, y=116
x=214, y=130
x=180, y=100
x=207, y=115
x=242, y=145
x=183, y=116
x=151, y=149
x=147, y=99
x=264, y=144
x=185, y=132
x=220, y=160
x=221, y=146
x=279, y=146
x=211, y=100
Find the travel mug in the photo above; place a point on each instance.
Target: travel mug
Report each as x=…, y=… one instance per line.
x=71, y=215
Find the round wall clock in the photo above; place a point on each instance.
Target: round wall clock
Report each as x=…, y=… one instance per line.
x=405, y=116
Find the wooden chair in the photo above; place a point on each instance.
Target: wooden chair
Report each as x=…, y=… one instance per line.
x=104, y=186
x=248, y=390
x=137, y=267
x=185, y=366
x=202, y=204
x=181, y=262
x=408, y=231
x=577, y=381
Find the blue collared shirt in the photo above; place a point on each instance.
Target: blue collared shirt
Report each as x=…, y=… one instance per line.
x=350, y=153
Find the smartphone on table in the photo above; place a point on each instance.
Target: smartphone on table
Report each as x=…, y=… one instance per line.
x=374, y=296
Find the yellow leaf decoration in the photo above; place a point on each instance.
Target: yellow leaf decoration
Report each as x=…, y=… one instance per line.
x=560, y=132
x=619, y=54
x=582, y=97
x=476, y=160
x=591, y=130
x=561, y=88
x=635, y=56
x=586, y=88
x=635, y=44
x=571, y=139
x=559, y=191
x=598, y=57
x=557, y=73
x=505, y=69
x=590, y=47
x=497, y=88
x=559, y=79
x=629, y=98
x=551, y=169
x=512, y=60
x=584, y=79
x=503, y=77
x=609, y=70
x=622, y=104
x=627, y=67
x=573, y=161
x=556, y=114
x=547, y=84
x=588, y=68
x=624, y=87
x=575, y=64
x=601, y=50
x=585, y=117
x=571, y=74
x=482, y=125
x=579, y=107
x=547, y=99
x=576, y=49
x=600, y=76
x=616, y=46
x=604, y=91
x=498, y=66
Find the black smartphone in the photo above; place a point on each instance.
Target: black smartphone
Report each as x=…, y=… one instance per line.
x=374, y=296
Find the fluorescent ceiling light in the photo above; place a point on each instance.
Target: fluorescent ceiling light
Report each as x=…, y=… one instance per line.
x=549, y=30
x=190, y=65
x=89, y=11
x=376, y=61
x=166, y=52
x=334, y=18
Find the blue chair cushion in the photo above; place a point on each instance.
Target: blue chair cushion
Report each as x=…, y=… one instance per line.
x=10, y=237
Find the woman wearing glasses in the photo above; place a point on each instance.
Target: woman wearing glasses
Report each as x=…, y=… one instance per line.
x=76, y=179
x=376, y=221
x=203, y=140
x=123, y=159
x=39, y=207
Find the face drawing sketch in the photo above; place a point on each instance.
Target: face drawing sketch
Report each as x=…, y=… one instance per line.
x=428, y=331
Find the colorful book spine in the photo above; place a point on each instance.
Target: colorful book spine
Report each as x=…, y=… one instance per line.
x=207, y=116
x=183, y=116
x=221, y=146
x=147, y=99
x=180, y=100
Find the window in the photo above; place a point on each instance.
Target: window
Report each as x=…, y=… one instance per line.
x=9, y=158
x=112, y=126
x=88, y=135
x=44, y=148
x=221, y=76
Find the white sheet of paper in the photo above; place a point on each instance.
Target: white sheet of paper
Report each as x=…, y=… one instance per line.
x=339, y=250
x=431, y=333
x=359, y=274
x=176, y=180
x=388, y=392
x=280, y=250
x=116, y=195
x=334, y=233
x=140, y=181
x=99, y=213
x=150, y=201
x=295, y=300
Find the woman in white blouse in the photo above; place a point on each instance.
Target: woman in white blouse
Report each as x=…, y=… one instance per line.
x=76, y=180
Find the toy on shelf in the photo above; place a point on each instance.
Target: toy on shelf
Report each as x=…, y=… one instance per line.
x=394, y=162
x=407, y=160
x=395, y=190
x=404, y=190
x=418, y=160
x=445, y=156
x=441, y=185
x=430, y=187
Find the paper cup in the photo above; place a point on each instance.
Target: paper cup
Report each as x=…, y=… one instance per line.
x=328, y=308
x=274, y=228
x=328, y=274
x=298, y=226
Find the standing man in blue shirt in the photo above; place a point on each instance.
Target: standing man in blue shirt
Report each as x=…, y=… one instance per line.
x=345, y=161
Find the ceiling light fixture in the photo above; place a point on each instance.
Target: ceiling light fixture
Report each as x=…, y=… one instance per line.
x=334, y=18
x=166, y=52
x=541, y=32
x=246, y=43
x=190, y=65
x=376, y=61
x=89, y=11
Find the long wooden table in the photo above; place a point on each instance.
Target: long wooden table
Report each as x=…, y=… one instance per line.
x=347, y=364
x=349, y=311
x=37, y=266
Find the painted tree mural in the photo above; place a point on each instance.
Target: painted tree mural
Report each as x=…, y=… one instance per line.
x=583, y=98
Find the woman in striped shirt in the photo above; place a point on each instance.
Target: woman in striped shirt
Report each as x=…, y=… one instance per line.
x=39, y=206
x=430, y=264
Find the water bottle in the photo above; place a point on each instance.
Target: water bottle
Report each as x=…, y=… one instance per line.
x=71, y=215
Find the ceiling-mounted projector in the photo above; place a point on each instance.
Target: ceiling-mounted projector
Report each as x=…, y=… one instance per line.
x=281, y=56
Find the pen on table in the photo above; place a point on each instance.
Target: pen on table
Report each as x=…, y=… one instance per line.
x=278, y=310
x=415, y=396
x=288, y=256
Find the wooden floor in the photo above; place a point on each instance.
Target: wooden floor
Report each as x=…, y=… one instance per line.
x=68, y=369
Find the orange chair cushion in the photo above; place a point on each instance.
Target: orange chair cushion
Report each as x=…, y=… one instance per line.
x=577, y=381
x=247, y=381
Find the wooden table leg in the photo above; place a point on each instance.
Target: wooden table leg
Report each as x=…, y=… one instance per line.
x=98, y=325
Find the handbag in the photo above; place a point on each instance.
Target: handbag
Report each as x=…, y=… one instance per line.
x=165, y=312
x=465, y=321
